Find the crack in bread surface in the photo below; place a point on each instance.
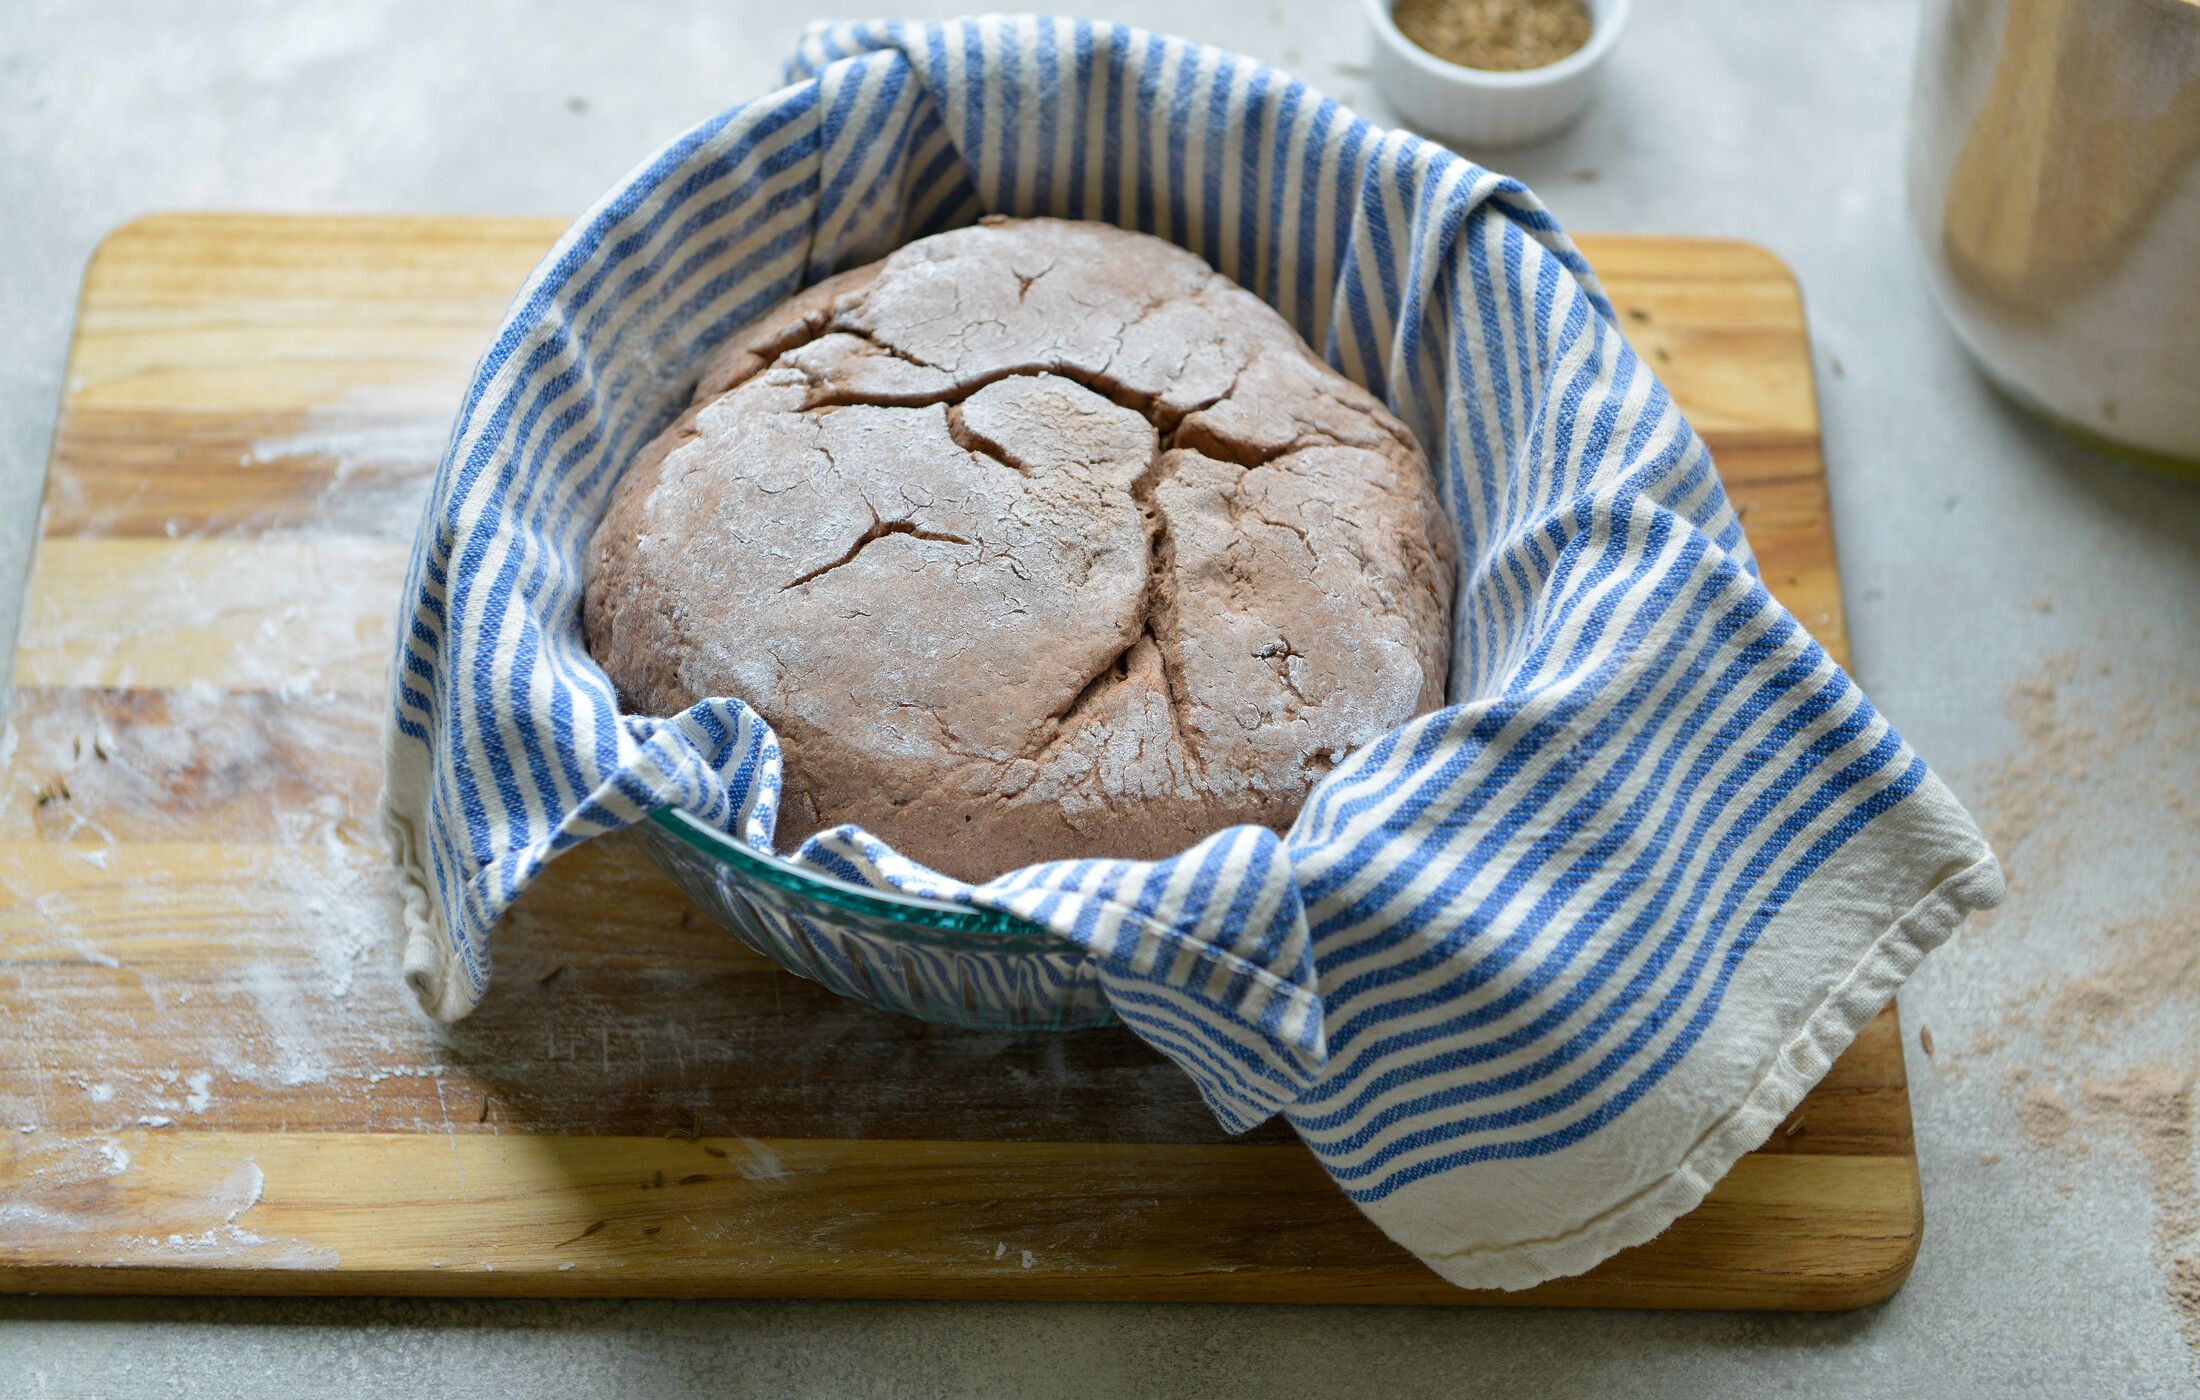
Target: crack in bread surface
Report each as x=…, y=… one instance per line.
x=879, y=530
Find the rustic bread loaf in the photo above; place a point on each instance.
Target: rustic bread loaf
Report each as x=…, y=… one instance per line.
x=1035, y=540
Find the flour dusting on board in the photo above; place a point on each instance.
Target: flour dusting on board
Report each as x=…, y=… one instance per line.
x=351, y=445
x=200, y=925
x=227, y=1241
x=203, y=761
x=245, y=1185
x=299, y=1054
x=761, y=1163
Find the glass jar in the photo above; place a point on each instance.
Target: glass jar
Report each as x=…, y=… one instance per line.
x=2054, y=188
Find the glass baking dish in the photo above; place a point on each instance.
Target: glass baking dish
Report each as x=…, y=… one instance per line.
x=922, y=957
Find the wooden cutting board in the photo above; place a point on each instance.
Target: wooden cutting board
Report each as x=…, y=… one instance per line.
x=212, y=1080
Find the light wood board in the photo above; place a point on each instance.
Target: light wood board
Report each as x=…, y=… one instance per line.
x=212, y=1080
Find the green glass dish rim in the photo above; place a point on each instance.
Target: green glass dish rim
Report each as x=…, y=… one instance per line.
x=919, y=917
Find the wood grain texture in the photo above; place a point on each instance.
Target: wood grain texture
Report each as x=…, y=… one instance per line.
x=229, y=1212
x=212, y=1080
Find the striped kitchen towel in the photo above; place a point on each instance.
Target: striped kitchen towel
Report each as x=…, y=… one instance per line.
x=1529, y=973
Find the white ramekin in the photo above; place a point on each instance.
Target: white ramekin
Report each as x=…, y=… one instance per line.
x=1478, y=107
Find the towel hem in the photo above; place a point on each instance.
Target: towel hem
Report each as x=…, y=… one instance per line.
x=1803, y=1060
x=430, y=967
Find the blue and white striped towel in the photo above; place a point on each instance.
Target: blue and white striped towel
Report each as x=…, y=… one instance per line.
x=1530, y=972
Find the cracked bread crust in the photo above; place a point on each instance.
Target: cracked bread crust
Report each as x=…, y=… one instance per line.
x=1036, y=540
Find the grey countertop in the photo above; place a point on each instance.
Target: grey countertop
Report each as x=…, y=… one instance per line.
x=2026, y=612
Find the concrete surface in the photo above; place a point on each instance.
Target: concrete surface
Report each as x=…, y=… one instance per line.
x=2026, y=613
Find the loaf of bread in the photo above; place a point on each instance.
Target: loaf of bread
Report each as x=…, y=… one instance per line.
x=1035, y=540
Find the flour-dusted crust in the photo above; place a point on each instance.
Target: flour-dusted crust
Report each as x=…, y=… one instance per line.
x=1035, y=540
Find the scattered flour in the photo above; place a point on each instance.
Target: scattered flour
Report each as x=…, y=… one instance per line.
x=2057, y=748
x=340, y=936
x=762, y=1163
x=2121, y=1027
x=338, y=436
x=2150, y=963
x=157, y=763
x=300, y=1052
x=2044, y=1117
x=2184, y=1294
x=2151, y=1108
x=436, y=1070
x=93, y=955
x=245, y=1186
